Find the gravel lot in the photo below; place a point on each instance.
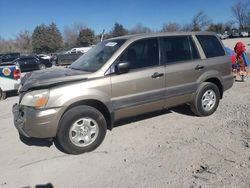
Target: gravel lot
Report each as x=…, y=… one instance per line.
x=171, y=148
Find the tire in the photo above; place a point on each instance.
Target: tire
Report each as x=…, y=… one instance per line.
x=41, y=66
x=2, y=95
x=206, y=99
x=81, y=129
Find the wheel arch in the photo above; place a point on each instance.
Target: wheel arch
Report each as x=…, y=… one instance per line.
x=214, y=77
x=95, y=104
x=217, y=82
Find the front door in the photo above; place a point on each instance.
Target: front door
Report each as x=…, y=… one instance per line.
x=140, y=90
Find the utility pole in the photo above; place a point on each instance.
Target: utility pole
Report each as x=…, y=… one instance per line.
x=102, y=34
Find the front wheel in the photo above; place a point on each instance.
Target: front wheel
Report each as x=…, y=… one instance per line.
x=81, y=129
x=206, y=99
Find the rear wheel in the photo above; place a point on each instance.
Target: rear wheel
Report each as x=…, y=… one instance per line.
x=81, y=129
x=42, y=66
x=206, y=99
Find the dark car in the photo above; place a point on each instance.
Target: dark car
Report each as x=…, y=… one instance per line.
x=31, y=63
x=65, y=58
x=8, y=57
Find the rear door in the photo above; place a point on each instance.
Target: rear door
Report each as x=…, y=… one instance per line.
x=183, y=68
x=140, y=90
x=215, y=54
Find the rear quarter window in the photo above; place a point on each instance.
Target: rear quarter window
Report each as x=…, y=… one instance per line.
x=211, y=45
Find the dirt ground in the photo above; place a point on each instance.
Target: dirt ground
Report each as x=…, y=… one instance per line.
x=171, y=148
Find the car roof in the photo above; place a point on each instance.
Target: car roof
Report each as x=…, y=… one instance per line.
x=149, y=35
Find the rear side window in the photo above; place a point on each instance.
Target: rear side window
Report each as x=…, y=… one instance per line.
x=211, y=45
x=178, y=48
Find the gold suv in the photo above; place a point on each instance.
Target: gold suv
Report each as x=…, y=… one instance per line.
x=119, y=78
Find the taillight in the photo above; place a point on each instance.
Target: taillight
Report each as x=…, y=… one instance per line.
x=17, y=74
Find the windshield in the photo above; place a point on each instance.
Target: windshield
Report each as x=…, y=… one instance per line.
x=96, y=57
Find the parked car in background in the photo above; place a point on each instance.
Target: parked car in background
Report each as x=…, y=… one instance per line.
x=64, y=59
x=43, y=56
x=234, y=33
x=9, y=78
x=82, y=50
x=31, y=63
x=8, y=57
x=222, y=36
x=244, y=34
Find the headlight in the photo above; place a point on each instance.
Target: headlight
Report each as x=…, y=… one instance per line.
x=37, y=99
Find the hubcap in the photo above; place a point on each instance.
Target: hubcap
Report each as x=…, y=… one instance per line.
x=208, y=100
x=83, y=132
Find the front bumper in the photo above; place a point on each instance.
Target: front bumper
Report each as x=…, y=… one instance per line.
x=31, y=122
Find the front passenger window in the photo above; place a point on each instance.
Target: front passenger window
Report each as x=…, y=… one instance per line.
x=142, y=54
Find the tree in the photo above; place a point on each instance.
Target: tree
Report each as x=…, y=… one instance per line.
x=139, y=28
x=56, y=40
x=240, y=13
x=86, y=37
x=217, y=28
x=40, y=39
x=46, y=39
x=23, y=41
x=118, y=30
x=200, y=21
x=186, y=27
x=71, y=34
x=171, y=27
x=229, y=26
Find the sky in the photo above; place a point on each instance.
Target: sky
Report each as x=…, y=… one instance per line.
x=19, y=15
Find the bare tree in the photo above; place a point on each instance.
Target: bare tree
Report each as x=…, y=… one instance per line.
x=186, y=27
x=7, y=46
x=71, y=34
x=139, y=28
x=200, y=21
x=171, y=27
x=218, y=28
x=240, y=13
x=23, y=41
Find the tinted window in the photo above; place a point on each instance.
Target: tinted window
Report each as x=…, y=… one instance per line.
x=143, y=53
x=211, y=45
x=30, y=60
x=174, y=49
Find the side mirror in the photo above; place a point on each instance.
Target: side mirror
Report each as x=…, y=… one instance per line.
x=122, y=67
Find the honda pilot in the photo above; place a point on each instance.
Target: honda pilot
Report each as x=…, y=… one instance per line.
x=119, y=78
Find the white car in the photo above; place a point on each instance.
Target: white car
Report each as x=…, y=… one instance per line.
x=10, y=77
x=244, y=34
x=43, y=56
x=82, y=50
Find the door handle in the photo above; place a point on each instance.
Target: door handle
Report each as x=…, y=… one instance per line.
x=199, y=67
x=157, y=75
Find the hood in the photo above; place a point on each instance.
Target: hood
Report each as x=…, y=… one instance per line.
x=52, y=76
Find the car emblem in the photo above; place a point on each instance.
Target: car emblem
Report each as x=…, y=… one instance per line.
x=6, y=72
